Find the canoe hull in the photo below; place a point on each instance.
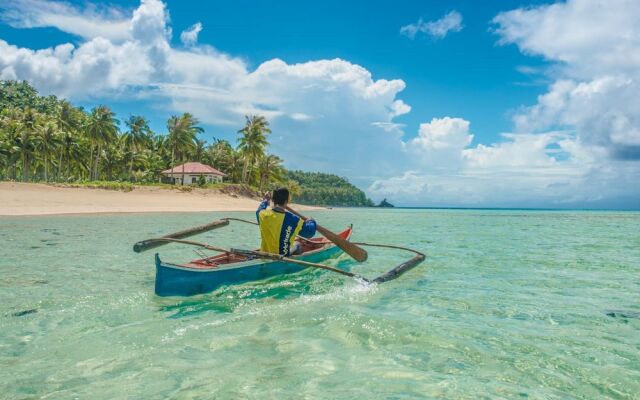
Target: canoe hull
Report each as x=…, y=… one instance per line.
x=176, y=280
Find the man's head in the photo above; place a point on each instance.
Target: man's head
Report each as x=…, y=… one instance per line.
x=280, y=197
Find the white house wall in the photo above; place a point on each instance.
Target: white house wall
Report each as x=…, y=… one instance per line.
x=188, y=178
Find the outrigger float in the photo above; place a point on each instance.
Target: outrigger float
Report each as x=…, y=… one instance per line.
x=234, y=266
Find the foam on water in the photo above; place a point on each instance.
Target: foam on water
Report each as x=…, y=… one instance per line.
x=508, y=304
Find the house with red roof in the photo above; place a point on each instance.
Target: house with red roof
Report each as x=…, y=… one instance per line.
x=190, y=173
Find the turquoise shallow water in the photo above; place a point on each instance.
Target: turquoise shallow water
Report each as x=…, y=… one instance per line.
x=509, y=304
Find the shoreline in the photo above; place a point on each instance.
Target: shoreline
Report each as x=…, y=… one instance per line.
x=38, y=199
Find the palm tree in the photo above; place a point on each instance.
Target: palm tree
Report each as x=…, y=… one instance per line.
x=72, y=152
x=218, y=153
x=199, y=149
x=4, y=150
x=182, y=136
x=153, y=162
x=270, y=169
x=67, y=119
x=66, y=116
x=10, y=125
x=102, y=128
x=115, y=157
x=294, y=188
x=29, y=125
x=46, y=143
x=253, y=141
x=236, y=165
x=138, y=135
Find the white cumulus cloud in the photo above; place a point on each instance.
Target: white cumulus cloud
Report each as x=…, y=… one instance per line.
x=189, y=36
x=88, y=23
x=450, y=22
x=523, y=170
x=593, y=37
x=439, y=144
x=596, y=44
x=443, y=133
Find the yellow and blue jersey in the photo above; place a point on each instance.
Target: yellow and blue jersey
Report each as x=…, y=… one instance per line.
x=279, y=229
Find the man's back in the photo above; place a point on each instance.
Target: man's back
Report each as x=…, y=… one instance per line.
x=279, y=228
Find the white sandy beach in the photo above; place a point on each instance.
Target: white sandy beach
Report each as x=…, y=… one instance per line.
x=41, y=199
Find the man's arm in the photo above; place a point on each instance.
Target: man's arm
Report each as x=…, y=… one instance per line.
x=263, y=205
x=308, y=228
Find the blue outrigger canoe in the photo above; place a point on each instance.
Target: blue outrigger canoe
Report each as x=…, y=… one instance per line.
x=207, y=274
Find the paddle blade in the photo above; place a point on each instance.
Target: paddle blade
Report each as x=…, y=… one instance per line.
x=358, y=253
x=153, y=243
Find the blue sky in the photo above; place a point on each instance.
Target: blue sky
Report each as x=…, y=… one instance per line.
x=464, y=117
x=440, y=78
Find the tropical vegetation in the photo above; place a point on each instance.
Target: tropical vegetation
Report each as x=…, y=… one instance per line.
x=326, y=189
x=47, y=139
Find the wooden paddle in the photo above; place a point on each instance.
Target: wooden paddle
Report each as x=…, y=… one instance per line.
x=358, y=253
x=152, y=243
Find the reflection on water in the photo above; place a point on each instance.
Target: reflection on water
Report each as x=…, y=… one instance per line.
x=230, y=298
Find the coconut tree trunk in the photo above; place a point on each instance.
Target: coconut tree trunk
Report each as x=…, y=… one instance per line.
x=91, y=163
x=131, y=167
x=183, y=174
x=68, y=166
x=46, y=175
x=96, y=162
x=25, y=168
x=245, y=168
x=172, y=165
x=59, y=169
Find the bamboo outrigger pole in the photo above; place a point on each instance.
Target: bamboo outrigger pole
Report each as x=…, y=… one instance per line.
x=400, y=269
x=256, y=254
x=387, y=276
x=152, y=243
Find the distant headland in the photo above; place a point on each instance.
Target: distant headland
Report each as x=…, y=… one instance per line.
x=385, y=203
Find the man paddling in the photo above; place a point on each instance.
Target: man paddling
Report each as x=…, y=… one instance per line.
x=279, y=228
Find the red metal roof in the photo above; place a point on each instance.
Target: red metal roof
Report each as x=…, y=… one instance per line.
x=194, y=168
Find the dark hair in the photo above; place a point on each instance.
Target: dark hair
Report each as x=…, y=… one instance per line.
x=280, y=196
